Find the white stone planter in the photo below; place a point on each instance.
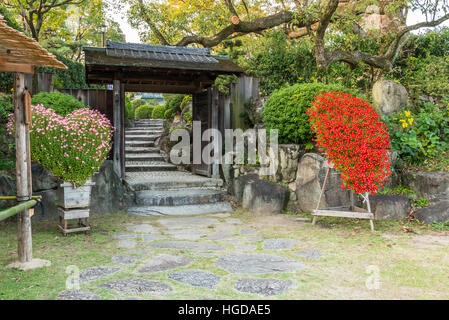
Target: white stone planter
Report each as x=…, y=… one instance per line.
x=70, y=197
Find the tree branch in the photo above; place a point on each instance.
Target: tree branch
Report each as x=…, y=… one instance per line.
x=244, y=27
x=151, y=24
x=385, y=61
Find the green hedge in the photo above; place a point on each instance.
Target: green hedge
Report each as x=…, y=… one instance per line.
x=129, y=110
x=169, y=114
x=72, y=78
x=61, y=103
x=285, y=110
x=138, y=102
x=158, y=112
x=144, y=112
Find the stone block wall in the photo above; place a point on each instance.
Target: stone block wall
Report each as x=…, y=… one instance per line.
x=108, y=195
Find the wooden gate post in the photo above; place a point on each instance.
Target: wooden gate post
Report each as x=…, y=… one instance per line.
x=214, y=125
x=23, y=170
x=118, y=128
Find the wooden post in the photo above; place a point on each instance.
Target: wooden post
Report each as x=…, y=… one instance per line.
x=321, y=193
x=118, y=128
x=122, y=129
x=23, y=167
x=214, y=125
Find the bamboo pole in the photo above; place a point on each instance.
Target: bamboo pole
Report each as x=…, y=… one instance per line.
x=25, y=247
x=16, y=209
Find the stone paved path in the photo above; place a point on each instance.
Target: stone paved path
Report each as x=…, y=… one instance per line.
x=194, y=257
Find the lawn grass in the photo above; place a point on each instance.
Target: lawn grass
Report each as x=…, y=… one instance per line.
x=411, y=258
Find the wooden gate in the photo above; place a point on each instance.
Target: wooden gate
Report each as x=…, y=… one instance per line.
x=201, y=112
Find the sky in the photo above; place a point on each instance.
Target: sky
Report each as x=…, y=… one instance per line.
x=133, y=36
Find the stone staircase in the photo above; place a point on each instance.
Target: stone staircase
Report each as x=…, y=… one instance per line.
x=161, y=189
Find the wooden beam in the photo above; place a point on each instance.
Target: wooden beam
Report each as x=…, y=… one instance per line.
x=16, y=67
x=25, y=248
x=343, y=214
x=160, y=88
x=118, y=128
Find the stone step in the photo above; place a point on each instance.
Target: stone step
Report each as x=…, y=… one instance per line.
x=138, y=143
x=132, y=150
x=150, y=120
x=148, y=124
x=180, y=210
x=141, y=137
x=178, y=197
x=133, y=166
x=144, y=126
x=144, y=156
x=143, y=132
x=169, y=180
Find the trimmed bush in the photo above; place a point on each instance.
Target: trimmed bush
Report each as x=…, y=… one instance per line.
x=158, y=112
x=129, y=110
x=285, y=110
x=169, y=114
x=144, y=112
x=61, y=103
x=72, y=147
x=175, y=102
x=137, y=103
x=188, y=116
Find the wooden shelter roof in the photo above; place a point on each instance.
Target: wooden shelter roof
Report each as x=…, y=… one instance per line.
x=123, y=54
x=155, y=68
x=20, y=53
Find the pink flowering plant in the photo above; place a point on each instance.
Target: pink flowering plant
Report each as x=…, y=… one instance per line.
x=71, y=147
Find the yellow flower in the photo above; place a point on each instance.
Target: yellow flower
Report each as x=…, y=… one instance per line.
x=407, y=113
x=410, y=120
x=404, y=125
x=402, y=120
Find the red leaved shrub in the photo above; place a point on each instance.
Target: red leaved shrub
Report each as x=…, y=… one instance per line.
x=356, y=142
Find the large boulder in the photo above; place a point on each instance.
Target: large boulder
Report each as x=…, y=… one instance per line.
x=389, y=206
x=436, y=211
x=309, y=181
x=108, y=195
x=261, y=196
x=42, y=178
x=430, y=185
x=289, y=155
x=48, y=208
x=7, y=188
x=389, y=96
x=239, y=184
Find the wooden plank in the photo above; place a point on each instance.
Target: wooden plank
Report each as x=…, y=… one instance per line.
x=16, y=67
x=23, y=219
x=161, y=88
x=118, y=129
x=73, y=230
x=69, y=197
x=74, y=213
x=343, y=214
